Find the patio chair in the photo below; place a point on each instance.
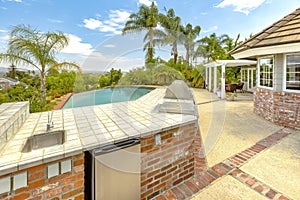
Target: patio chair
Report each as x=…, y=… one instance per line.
x=230, y=87
x=240, y=86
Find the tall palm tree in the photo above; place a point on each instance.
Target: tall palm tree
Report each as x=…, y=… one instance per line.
x=190, y=34
x=146, y=19
x=211, y=47
x=173, y=31
x=28, y=46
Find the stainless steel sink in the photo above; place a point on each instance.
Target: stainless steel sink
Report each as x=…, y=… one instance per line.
x=44, y=140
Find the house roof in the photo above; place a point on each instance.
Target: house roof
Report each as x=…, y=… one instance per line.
x=282, y=32
x=11, y=80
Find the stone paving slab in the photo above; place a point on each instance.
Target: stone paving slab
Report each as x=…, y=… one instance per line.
x=228, y=127
x=227, y=188
x=279, y=166
x=231, y=166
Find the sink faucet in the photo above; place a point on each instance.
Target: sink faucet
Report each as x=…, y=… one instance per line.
x=49, y=125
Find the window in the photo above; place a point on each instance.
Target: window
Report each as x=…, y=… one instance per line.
x=266, y=72
x=292, y=81
x=244, y=75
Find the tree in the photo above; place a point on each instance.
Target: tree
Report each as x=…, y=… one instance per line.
x=12, y=72
x=115, y=76
x=146, y=19
x=197, y=76
x=173, y=31
x=104, y=81
x=211, y=47
x=31, y=47
x=190, y=34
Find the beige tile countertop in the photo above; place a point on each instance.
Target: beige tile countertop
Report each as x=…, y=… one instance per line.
x=90, y=127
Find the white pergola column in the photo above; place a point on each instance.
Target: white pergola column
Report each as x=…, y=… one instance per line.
x=209, y=85
x=223, y=93
x=215, y=79
x=206, y=77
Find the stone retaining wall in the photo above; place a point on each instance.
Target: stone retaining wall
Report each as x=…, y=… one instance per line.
x=281, y=108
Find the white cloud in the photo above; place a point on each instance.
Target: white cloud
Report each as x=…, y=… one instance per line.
x=210, y=29
x=18, y=1
x=76, y=46
x=92, y=23
x=119, y=16
x=3, y=31
x=114, y=23
x=146, y=2
x=3, y=41
x=109, y=46
x=243, y=6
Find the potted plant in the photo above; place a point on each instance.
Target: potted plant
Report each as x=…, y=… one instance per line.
x=230, y=96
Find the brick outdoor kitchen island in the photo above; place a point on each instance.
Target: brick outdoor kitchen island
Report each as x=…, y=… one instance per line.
x=164, y=122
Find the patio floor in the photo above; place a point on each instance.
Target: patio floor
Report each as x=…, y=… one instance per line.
x=229, y=128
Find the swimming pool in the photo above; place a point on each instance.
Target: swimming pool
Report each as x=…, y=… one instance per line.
x=105, y=96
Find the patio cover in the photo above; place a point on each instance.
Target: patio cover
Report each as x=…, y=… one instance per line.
x=231, y=63
x=223, y=64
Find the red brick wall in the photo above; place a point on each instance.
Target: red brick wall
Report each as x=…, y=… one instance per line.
x=281, y=108
x=64, y=186
x=169, y=164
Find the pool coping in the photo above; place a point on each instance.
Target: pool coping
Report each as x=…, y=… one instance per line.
x=63, y=101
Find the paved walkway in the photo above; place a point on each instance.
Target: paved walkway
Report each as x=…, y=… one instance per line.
x=248, y=157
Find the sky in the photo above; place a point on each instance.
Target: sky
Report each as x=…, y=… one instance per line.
x=94, y=26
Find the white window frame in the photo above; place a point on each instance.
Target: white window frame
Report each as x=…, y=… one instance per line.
x=258, y=73
x=284, y=73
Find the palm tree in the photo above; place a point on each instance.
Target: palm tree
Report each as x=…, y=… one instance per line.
x=190, y=34
x=211, y=47
x=173, y=31
x=146, y=19
x=31, y=47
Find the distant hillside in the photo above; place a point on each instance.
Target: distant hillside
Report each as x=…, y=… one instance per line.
x=3, y=70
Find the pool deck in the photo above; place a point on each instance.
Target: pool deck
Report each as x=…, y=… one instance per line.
x=248, y=157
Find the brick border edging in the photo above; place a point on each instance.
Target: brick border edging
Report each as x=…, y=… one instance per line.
x=257, y=185
x=228, y=166
x=62, y=102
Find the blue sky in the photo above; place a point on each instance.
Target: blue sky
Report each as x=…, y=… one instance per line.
x=94, y=26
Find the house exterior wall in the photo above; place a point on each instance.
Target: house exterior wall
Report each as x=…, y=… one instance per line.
x=278, y=72
x=281, y=108
x=68, y=185
x=275, y=104
x=179, y=157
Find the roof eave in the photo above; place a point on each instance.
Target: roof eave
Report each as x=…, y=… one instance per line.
x=267, y=50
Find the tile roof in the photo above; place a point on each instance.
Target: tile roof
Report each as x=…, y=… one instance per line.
x=284, y=31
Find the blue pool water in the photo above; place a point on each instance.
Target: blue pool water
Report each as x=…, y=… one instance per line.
x=104, y=96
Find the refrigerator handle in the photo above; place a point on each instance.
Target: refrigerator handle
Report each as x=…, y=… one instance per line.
x=116, y=146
